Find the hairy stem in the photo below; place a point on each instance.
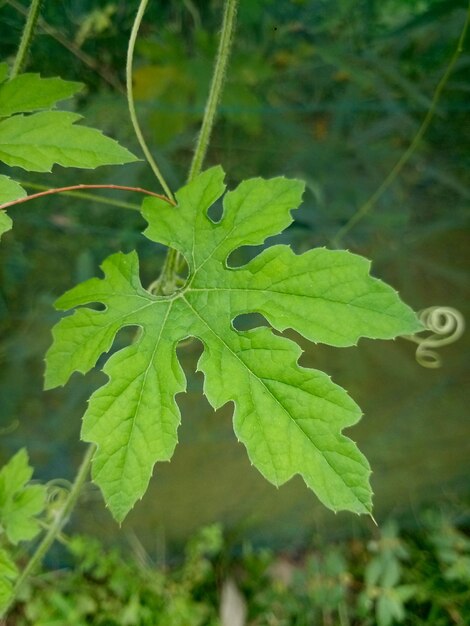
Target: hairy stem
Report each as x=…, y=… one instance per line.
x=403, y=160
x=130, y=99
x=26, y=38
x=218, y=77
x=173, y=260
x=49, y=192
x=59, y=522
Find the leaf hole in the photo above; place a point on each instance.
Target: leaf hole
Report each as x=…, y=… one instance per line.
x=215, y=212
x=188, y=352
x=243, y=255
x=126, y=336
x=183, y=269
x=96, y=306
x=248, y=321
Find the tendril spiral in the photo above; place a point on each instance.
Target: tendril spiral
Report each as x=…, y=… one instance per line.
x=446, y=326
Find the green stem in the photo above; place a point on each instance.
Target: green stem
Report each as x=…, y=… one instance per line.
x=26, y=38
x=370, y=203
x=225, y=44
x=130, y=99
x=173, y=260
x=56, y=527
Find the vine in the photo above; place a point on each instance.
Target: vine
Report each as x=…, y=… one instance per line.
x=130, y=99
x=173, y=263
x=220, y=70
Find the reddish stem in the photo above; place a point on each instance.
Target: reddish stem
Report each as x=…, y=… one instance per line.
x=80, y=188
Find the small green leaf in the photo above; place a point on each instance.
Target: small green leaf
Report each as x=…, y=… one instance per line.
x=8, y=573
x=5, y=223
x=19, y=502
x=9, y=190
x=7, y=566
x=4, y=70
x=290, y=418
x=39, y=140
x=30, y=92
x=389, y=609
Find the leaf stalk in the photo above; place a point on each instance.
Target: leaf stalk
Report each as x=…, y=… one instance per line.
x=93, y=197
x=49, y=192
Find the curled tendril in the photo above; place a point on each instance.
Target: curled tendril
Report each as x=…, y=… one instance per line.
x=9, y=428
x=57, y=490
x=446, y=326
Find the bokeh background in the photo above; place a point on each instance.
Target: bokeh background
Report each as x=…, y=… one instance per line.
x=331, y=92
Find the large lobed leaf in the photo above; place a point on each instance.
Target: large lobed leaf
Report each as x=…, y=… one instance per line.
x=290, y=418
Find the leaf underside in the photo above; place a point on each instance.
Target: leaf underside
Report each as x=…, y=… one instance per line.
x=30, y=92
x=289, y=418
x=35, y=142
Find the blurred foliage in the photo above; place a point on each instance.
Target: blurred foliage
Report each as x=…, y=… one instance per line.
x=390, y=578
x=331, y=92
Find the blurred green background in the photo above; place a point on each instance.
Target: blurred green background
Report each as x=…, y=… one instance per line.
x=329, y=91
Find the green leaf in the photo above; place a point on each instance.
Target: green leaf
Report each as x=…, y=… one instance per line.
x=8, y=573
x=30, y=92
x=19, y=502
x=290, y=418
x=37, y=141
x=5, y=223
x=389, y=609
x=9, y=190
x=7, y=566
x=3, y=72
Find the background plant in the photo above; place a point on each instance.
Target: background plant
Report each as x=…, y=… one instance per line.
x=325, y=584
